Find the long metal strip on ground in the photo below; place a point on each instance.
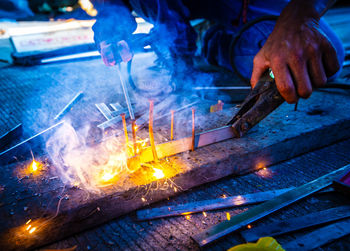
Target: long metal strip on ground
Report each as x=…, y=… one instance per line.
x=297, y=223
x=241, y=220
x=208, y=205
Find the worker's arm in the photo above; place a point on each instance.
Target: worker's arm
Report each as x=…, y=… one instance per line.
x=113, y=27
x=299, y=54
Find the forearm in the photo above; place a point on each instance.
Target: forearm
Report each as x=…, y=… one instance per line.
x=309, y=8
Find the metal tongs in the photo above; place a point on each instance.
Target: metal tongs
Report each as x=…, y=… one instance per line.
x=260, y=102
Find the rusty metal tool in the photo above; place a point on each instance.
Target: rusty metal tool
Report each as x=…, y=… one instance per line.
x=260, y=102
x=241, y=220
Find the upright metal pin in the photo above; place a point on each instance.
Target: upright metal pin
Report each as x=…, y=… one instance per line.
x=151, y=136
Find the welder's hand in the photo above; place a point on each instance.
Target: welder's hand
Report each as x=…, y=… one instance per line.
x=111, y=55
x=300, y=56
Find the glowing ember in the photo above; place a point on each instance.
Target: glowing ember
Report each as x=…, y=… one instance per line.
x=34, y=166
x=224, y=196
x=205, y=214
x=32, y=230
x=107, y=176
x=143, y=199
x=228, y=216
x=158, y=173
x=249, y=226
x=188, y=217
x=28, y=221
x=28, y=227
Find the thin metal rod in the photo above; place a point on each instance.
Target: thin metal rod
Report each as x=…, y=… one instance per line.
x=36, y=135
x=69, y=106
x=193, y=129
x=172, y=125
x=125, y=129
x=151, y=136
x=133, y=129
x=222, y=88
x=126, y=94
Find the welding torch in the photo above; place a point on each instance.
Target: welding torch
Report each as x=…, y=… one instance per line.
x=137, y=44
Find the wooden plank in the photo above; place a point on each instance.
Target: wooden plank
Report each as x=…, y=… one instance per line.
x=208, y=205
x=282, y=135
x=297, y=223
x=320, y=237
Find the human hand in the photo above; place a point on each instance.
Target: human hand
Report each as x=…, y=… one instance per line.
x=299, y=54
x=111, y=55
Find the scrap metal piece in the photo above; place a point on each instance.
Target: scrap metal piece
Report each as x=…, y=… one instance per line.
x=69, y=106
x=261, y=101
x=320, y=237
x=241, y=220
x=208, y=205
x=294, y=224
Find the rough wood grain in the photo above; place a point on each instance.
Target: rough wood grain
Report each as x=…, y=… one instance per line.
x=321, y=120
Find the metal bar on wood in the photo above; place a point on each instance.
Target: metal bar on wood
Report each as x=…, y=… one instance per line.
x=320, y=237
x=150, y=127
x=294, y=224
x=241, y=220
x=208, y=205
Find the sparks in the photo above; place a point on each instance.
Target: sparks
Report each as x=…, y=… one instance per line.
x=32, y=230
x=34, y=166
x=249, y=226
x=188, y=217
x=29, y=226
x=158, y=174
x=143, y=199
x=228, y=216
x=107, y=176
x=28, y=221
x=205, y=214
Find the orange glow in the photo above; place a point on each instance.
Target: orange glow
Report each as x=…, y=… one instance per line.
x=158, y=174
x=34, y=166
x=107, y=176
x=32, y=230
x=228, y=216
x=224, y=196
x=265, y=173
x=188, y=217
x=205, y=214
x=143, y=199
x=29, y=226
x=249, y=226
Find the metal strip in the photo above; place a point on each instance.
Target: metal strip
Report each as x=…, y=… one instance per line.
x=208, y=205
x=294, y=224
x=241, y=220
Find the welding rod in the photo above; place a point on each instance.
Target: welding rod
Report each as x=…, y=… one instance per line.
x=69, y=106
x=126, y=95
x=150, y=127
x=193, y=131
x=133, y=129
x=243, y=88
x=125, y=129
x=172, y=125
x=36, y=135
